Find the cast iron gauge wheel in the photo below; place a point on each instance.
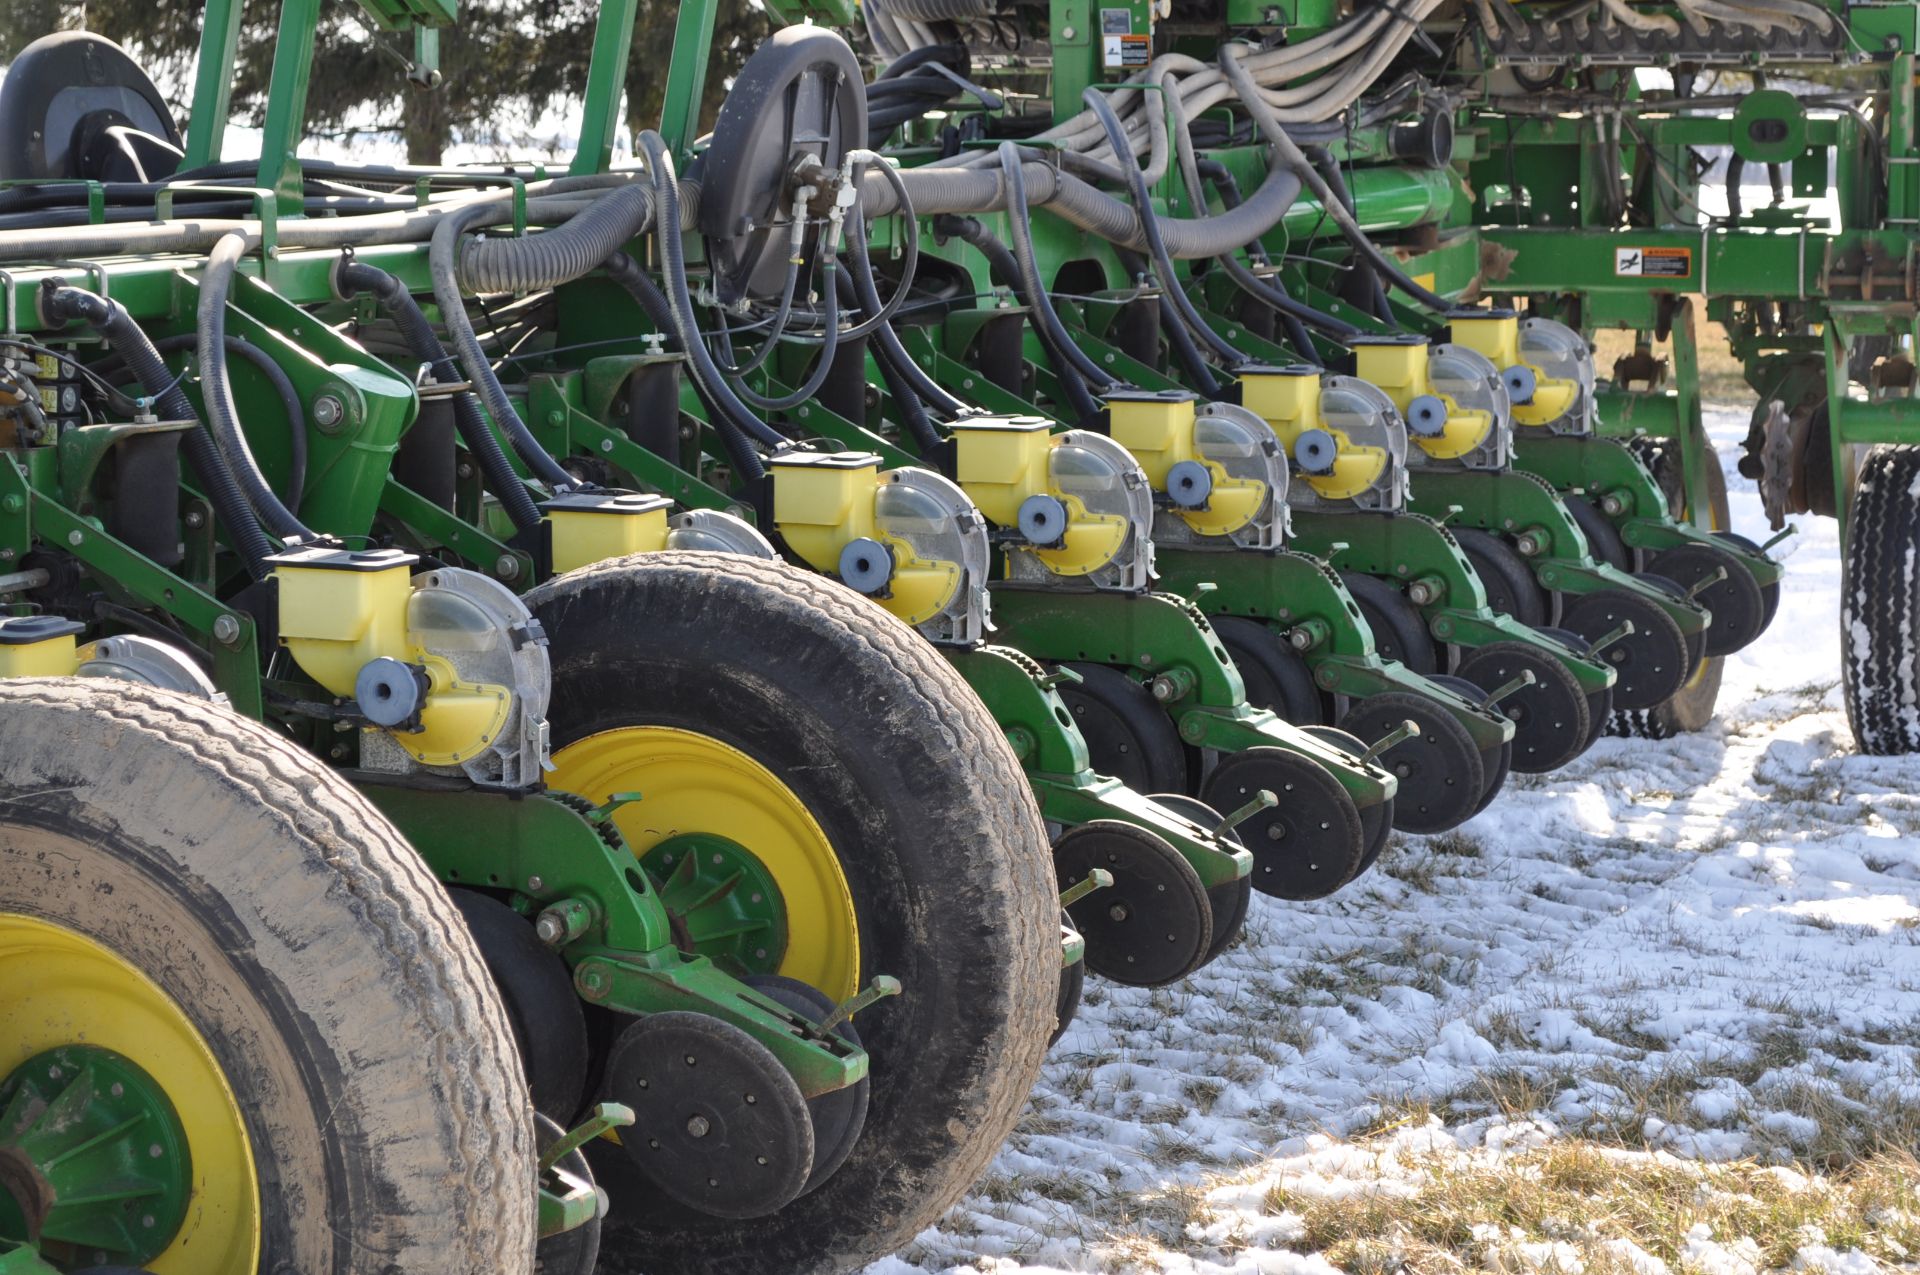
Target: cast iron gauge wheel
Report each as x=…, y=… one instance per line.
x=1307, y=846
x=1496, y=762
x=1603, y=538
x=1651, y=661
x=839, y=1114
x=1769, y=593
x=1128, y=734
x=574, y=1252
x=1399, y=630
x=1691, y=707
x=1505, y=575
x=1073, y=982
x=815, y=743
x=718, y=1125
x=1277, y=677
x=1696, y=642
x=549, y=1026
x=1154, y=924
x=1739, y=610
x=1230, y=901
x=186, y=894
x=1441, y=776
x=1551, y=720
x=1600, y=702
x=1376, y=821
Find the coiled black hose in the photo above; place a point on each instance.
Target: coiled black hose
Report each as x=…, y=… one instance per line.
x=61, y=304
x=626, y=272
x=907, y=402
x=1052, y=330
x=216, y=390
x=502, y=480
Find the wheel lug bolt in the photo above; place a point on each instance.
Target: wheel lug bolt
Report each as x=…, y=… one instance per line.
x=697, y=1126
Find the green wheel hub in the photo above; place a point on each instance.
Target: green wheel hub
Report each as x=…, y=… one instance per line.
x=724, y=903
x=93, y=1159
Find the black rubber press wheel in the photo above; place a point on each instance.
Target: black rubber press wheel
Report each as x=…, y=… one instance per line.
x=1277, y=677
x=1307, y=846
x=1441, y=774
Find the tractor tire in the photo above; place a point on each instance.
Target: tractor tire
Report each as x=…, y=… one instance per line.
x=926, y=818
x=240, y=922
x=1880, y=655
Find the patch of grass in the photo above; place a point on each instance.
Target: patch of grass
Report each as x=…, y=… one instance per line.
x=1473, y=1210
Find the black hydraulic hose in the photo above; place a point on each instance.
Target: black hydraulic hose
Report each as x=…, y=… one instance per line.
x=1182, y=306
x=216, y=390
x=626, y=272
x=829, y=345
x=1001, y=266
x=479, y=370
x=1199, y=371
x=1272, y=291
x=398, y=303
x=1302, y=167
x=1052, y=330
x=706, y=376
x=60, y=305
x=1367, y=278
x=887, y=347
x=913, y=412
x=276, y=376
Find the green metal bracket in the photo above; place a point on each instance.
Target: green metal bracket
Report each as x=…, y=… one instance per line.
x=434, y=527
x=1297, y=594
x=625, y=958
x=554, y=412
x=1165, y=642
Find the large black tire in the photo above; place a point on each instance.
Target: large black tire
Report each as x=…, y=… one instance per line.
x=1399, y=631
x=1603, y=538
x=936, y=833
x=1880, y=655
x=324, y=967
x=1277, y=677
x=1505, y=575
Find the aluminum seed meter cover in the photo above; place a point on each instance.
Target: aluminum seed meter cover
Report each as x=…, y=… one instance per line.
x=1241, y=443
x=1109, y=487
x=1561, y=354
x=930, y=513
x=1356, y=457
x=1474, y=384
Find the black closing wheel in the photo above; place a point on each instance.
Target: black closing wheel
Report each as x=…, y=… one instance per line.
x=1376, y=821
x=1769, y=593
x=1399, y=630
x=1600, y=702
x=1651, y=661
x=537, y=989
x=1128, y=734
x=1505, y=575
x=839, y=1114
x=1696, y=642
x=1307, y=846
x=718, y=1125
x=1551, y=721
x=1739, y=609
x=1229, y=901
x=1154, y=924
x=1603, y=538
x=1441, y=775
x=1880, y=651
x=1276, y=675
x=574, y=1252
x=1495, y=762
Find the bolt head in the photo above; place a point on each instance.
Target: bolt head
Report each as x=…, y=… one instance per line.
x=328, y=411
x=697, y=1126
x=226, y=629
x=75, y=538
x=507, y=567
x=534, y=883
x=550, y=928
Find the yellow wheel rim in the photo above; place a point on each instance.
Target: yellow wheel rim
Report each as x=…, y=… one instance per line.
x=59, y=987
x=692, y=783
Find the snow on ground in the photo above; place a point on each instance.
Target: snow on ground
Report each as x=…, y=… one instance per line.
x=1708, y=947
